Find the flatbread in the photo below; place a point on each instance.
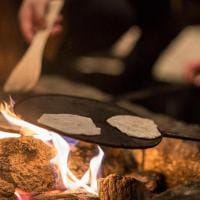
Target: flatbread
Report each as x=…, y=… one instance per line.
x=72, y=124
x=135, y=126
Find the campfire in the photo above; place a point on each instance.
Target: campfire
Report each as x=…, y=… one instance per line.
x=35, y=144
x=38, y=164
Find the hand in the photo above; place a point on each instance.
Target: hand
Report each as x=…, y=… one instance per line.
x=32, y=18
x=192, y=73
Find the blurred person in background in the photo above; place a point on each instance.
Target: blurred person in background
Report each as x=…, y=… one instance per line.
x=97, y=24
x=189, y=14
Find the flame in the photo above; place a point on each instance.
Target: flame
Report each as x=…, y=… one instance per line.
x=68, y=179
x=21, y=195
x=8, y=135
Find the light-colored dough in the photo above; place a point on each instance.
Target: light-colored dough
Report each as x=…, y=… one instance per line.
x=72, y=124
x=135, y=126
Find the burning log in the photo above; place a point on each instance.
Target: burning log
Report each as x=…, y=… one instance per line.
x=152, y=181
x=182, y=192
x=69, y=195
x=116, y=187
x=80, y=156
x=6, y=190
x=24, y=162
x=113, y=187
x=176, y=159
x=118, y=161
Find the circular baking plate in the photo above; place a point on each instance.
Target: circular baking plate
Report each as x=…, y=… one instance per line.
x=31, y=109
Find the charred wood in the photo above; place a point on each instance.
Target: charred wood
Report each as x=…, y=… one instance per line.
x=189, y=191
x=6, y=190
x=118, y=161
x=69, y=195
x=116, y=187
x=24, y=163
x=80, y=156
x=176, y=159
x=153, y=182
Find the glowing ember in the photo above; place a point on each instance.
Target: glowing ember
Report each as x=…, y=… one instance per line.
x=21, y=195
x=67, y=180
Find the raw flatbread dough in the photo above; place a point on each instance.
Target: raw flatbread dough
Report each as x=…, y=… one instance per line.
x=72, y=124
x=135, y=126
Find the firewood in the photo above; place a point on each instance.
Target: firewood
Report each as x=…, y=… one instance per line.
x=116, y=187
x=69, y=195
x=176, y=159
x=80, y=156
x=152, y=181
x=8, y=198
x=24, y=162
x=189, y=191
x=118, y=161
x=6, y=190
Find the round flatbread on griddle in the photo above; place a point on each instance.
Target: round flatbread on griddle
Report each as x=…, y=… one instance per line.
x=72, y=124
x=135, y=126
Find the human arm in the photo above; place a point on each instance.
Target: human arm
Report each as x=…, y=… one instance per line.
x=32, y=18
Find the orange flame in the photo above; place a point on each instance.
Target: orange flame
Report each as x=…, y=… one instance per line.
x=68, y=179
x=21, y=195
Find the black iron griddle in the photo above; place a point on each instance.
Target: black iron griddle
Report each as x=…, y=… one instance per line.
x=32, y=108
